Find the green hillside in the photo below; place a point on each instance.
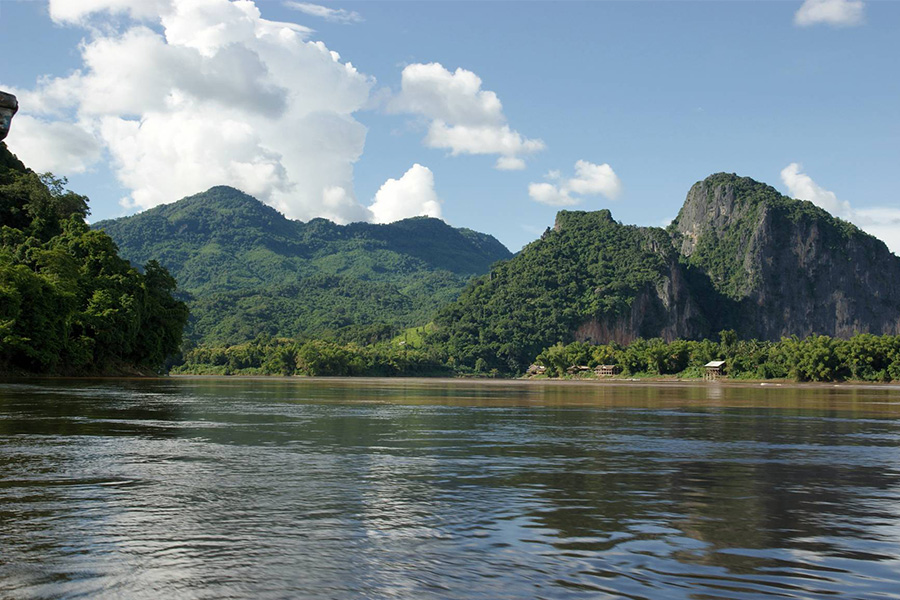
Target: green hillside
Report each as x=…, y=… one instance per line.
x=68, y=303
x=588, y=267
x=248, y=270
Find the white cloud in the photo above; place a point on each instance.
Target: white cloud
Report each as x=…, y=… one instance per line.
x=594, y=179
x=589, y=180
x=509, y=163
x=412, y=195
x=882, y=222
x=77, y=12
x=480, y=139
x=551, y=195
x=553, y=174
x=464, y=118
x=335, y=15
x=218, y=95
x=837, y=13
x=59, y=147
x=800, y=185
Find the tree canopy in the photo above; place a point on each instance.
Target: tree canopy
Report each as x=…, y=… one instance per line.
x=69, y=304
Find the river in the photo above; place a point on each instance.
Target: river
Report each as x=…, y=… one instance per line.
x=271, y=488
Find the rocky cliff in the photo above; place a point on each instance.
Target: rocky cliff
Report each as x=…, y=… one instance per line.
x=8, y=108
x=789, y=266
x=739, y=256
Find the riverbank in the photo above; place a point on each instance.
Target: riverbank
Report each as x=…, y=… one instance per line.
x=497, y=381
x=662, y=382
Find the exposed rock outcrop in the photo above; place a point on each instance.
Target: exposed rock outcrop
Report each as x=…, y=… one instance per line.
x=8, y=108
x=667, y=309
x=791, y=267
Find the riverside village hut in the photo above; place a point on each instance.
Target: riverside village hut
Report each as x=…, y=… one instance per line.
x=606, y=370
x=714, y=370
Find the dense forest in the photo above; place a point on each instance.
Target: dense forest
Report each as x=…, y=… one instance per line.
x=69, y=304
x=247, y=270
x=863, y=357
x=588, y=266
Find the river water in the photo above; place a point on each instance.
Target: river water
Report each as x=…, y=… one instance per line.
x=230, y=488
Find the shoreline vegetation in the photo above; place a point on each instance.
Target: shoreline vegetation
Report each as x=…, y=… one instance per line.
x=69, y=304
x=864, y=358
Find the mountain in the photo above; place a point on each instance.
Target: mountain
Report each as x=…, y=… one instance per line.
x=789, y=266
x=738, y=256
x=249, y=270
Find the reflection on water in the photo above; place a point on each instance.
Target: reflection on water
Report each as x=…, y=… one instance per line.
x=194, y=488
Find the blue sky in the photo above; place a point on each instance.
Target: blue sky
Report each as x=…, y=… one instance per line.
x=587, y=105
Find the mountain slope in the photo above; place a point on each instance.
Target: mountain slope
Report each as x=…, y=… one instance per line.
x=792, y=268
x=250, y=270
x=589, y=278
x=739, y=256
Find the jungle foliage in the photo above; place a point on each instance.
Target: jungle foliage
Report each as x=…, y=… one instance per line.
x=69, y=304
x=863, y=357
x=587, y=267
x=250, y=271
x=592, y=278
x=314, y=357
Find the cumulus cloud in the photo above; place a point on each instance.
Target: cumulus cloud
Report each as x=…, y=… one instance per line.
x=837, y=13
x=551, y=195
x=800, y=185
x=594, y=179
x=463, y=118
x=55, y=146
x=412, y=195
x=882, y=222
x=202, y=93
x=509, y=163
x=589, y=180
x=335, y=15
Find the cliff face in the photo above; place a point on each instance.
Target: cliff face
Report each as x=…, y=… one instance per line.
x=738, y=256
x=790, y=267
x=666, y=308
x=8, y=108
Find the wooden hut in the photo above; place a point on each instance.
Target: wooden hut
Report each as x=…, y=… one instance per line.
x=536, y=370
x=714, y=370
x=606, y=370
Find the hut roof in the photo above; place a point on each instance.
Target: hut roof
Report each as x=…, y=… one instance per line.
x=715, y=364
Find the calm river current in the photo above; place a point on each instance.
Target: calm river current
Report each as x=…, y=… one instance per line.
x=215, y=488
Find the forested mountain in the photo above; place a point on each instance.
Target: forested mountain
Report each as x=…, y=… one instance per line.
x=68, y=303
x=248, y=270
x=739, y=256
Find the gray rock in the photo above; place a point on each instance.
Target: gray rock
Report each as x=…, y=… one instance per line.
x=8, y=107
x=789, y=266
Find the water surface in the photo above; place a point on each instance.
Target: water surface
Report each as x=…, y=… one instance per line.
x=197, y=488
